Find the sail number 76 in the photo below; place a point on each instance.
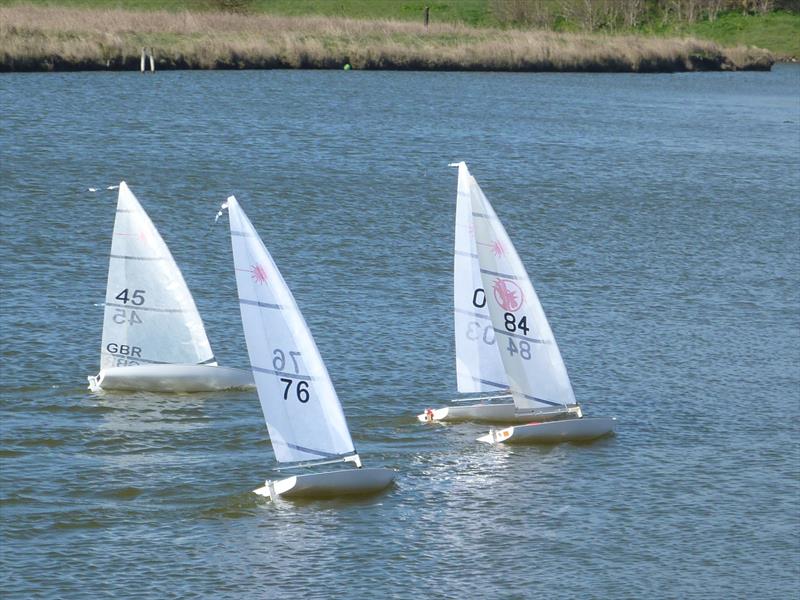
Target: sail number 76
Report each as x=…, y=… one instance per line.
x=279, y=362
x=301, y=389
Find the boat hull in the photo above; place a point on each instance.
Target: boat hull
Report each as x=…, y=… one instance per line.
x=553, y=432
x=330, y=484
x=171, y=378
x=492, y=413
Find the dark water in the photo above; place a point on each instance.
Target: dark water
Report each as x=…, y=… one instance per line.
x=659, y=217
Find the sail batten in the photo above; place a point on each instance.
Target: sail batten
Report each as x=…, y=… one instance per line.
x=149, y=311
x=260, y=304
x=491, y=384
x=301, y=409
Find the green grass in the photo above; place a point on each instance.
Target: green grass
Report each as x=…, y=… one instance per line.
x=170, y=5
x=778, y=31
x=471, y=12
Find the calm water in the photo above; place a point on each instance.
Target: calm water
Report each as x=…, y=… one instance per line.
x=659, y=217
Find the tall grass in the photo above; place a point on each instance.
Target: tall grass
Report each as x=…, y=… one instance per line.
x=36, y=38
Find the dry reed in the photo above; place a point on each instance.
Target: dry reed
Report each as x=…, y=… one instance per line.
x=46, y=38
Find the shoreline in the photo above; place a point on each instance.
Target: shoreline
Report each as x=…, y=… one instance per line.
x=42, y=39
x=60, y=65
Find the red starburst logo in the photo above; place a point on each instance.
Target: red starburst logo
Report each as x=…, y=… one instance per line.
x=497, y=249
x=258, y=273
x=508, y=294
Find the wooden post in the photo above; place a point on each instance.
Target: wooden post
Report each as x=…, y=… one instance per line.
x=141, y=63
x=426, y=15
x=152, y=62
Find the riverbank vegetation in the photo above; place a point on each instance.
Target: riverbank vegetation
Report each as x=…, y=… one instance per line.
x=86, y=36
x=769, y=24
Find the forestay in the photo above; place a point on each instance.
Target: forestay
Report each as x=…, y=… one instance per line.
x=533, y=364
x=301, y=408
x=479, y=367
x=150, y=315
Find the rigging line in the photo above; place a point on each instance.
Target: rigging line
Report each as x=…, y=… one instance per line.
x=314, y=463
x=321, y=453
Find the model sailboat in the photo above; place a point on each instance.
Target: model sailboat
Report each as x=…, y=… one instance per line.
x=506, y=342
x=153, y=336
x=478, y=364
x=304, y=417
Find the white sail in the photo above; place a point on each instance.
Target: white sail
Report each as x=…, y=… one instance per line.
x=533, y=364
x=301, y=408
x=150, y=315
x=479, y=367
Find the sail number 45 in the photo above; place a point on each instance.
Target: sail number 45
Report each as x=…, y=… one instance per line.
x=121, y=315
x=137, y=298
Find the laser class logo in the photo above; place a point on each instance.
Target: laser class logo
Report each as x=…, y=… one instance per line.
x=258, y=273
x=508, y=294
x=497, y=249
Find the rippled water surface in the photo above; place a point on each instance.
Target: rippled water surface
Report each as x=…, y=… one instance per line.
x=658, y=216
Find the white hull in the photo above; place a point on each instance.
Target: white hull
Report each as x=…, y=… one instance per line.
x=171, y=378
x=492, y=413
x=330, y=484
x=551, y=432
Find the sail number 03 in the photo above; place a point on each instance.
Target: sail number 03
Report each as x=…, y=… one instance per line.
x=279, y=363
x=474, y=329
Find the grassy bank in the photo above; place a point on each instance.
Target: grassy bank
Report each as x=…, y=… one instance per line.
x=778, y=32
x=61, y=38
x=770, y=24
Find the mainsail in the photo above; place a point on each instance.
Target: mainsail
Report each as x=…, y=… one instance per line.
x=150, y=315
x=479, y=367
x=300, y=405
x=533, y=364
